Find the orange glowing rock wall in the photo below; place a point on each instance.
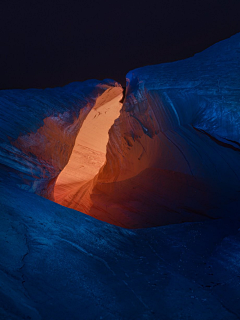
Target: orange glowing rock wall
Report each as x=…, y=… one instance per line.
x=89, y=152
x=173, y=154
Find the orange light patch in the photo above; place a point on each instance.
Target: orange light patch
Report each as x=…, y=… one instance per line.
x=89, y=152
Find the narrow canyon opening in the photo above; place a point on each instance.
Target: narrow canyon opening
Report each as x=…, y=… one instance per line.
x=89, y=152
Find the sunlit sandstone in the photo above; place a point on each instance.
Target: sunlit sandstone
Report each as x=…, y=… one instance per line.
x=89, y=152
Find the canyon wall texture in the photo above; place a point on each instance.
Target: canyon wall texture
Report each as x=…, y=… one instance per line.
x=174, y=153
x=89, y=152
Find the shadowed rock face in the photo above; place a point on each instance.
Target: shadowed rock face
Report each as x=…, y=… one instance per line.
x=58, y=264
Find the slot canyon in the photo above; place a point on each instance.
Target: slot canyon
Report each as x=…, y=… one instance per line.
x=168, y=154
x=121, y=203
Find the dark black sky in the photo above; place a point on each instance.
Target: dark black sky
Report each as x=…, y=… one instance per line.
x=52, y=43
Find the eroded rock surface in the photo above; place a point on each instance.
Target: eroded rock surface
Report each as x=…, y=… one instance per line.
x=58, y=264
